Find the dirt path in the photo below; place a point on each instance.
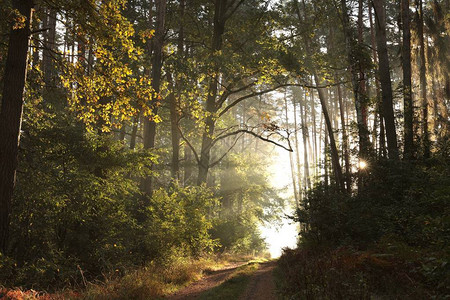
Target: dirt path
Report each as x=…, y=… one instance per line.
x=261, y=286
x=210, y=281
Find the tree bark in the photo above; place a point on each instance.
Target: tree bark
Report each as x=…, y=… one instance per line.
x=334, y=152
x=174, y=133
x=305, y=149
x=385, y=78
x=407, y=91
x=150, y=125
x=358, y=76
x=345, y=139
x=291, y=158
x=423, y=81
x=174, y=101
x=11, y=113
x=297, y=153
x=211, y=107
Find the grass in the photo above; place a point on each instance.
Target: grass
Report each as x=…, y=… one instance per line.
x=152, y=282
x=236, y=283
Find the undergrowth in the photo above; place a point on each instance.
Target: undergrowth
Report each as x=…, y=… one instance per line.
x=390, y=240
x=151, y=282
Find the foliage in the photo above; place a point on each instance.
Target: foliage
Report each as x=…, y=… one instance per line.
x=77, y=209
x=348, y=274
x=398, y=224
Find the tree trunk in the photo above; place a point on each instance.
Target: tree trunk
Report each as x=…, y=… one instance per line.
x=345, y=139
x=407, y=91
x=49, y=24
x=385, y=78
x=150, y=125
x=291, y=158
x=334, y=152
x=358, y=77
x=313, y=112
x=423, y=81
x=211, y=107
x=134, y=131
x=174, y=133
x=305, y=149
x=11, y=113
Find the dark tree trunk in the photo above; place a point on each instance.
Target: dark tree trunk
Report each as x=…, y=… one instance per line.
x=291, y=158
x=188, y=166
x=334, y=152
x=174, y=102
x=345, y=140
x=134, y=132
x=407, y=92
x=423, y=81
x=211, y=107
x=385, y=78
x=150, y=125
x=174, y=133
x=305, y=149
x=11, y=114
x=358, y=76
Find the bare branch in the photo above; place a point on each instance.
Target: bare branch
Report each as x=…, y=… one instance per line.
x=288, y=148
x=188, y=143
x=225, y=154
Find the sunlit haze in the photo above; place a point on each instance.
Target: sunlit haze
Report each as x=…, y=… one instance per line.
x=284, y=235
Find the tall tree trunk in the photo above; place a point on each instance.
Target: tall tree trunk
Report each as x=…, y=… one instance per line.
x=334, y=152
x=174, y=133
x=407, y=91
x=291, y=158
x=344, y=138
x=313, y=113
x=49, y=24
x=134, y=131
x=358, y=76
x=174, y=101
x=188, y=166
x=11, y=113
x=423, y=81
x=325, y=158
x=305, y=149
x=211, y=107
x=150, y=125
x=385, y=78
x=297, y=147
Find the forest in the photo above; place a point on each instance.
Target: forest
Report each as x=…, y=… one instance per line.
x=139, y=139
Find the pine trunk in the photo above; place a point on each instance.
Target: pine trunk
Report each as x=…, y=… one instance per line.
x=11, y=114
x=385, y=78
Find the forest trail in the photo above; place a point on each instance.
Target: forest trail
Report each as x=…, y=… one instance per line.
x=260, y=287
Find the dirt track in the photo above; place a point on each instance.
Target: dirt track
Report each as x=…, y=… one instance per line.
x=260, y=287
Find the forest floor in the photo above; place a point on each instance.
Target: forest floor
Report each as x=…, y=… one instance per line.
x=236, y=281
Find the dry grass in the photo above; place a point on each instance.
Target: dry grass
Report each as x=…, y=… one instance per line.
x=150, y=282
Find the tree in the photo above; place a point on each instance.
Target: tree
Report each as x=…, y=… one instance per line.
x=157, y=46
x=11, y=110
x=407, y=90
x=385, y=78
x=423, y=80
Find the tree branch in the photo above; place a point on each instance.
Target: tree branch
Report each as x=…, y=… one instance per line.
x=289, y=148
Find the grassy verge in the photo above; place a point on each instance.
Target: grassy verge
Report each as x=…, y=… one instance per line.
x=150, y=282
